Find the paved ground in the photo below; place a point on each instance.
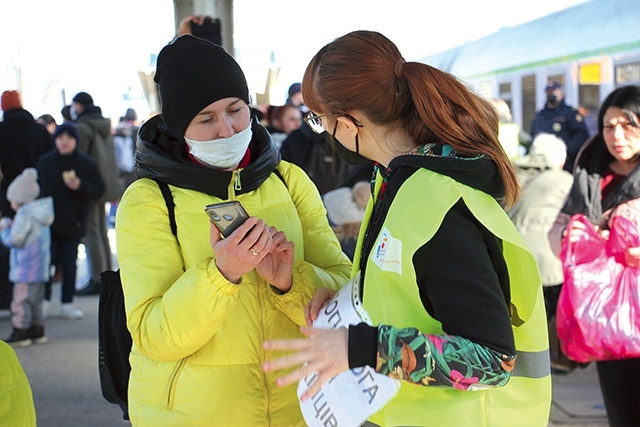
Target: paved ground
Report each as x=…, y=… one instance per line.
x=64, y=372
x=577, y=401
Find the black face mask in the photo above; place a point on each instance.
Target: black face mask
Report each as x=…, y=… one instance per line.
x=351, y=157
x=551, y=98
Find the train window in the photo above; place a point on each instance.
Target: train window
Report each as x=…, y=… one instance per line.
x=528, y=101
x=627, y=74
x=504, y=92
x=484, y=88
x=589, y=97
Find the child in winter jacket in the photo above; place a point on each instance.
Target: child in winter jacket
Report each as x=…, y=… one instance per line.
x=73, y=180
x=29, y=238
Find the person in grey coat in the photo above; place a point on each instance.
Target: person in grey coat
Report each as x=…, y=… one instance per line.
x=545, y=187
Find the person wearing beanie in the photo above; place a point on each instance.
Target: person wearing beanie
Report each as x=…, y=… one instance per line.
x=219, y=298
x=10, y=100
x=294, y=94
x=345, y=210
x=73, y=180
x=29, y=239
x=84, y=99
x=95, y=138
x=294, y=97
x=22, y=142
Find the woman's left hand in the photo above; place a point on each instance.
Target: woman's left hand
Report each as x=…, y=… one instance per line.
x=277, y=266
x=324, y=352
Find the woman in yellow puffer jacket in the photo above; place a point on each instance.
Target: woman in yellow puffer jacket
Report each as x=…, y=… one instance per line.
x=199, y=306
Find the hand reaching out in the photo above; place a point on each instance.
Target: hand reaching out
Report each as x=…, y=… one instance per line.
x=277, y=266
x=184, y=27
x=312, y=309
x=324, y=352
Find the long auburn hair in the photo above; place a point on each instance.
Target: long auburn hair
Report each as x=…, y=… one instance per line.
x=360, y=71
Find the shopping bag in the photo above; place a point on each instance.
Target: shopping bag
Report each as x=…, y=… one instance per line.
x=598, y=315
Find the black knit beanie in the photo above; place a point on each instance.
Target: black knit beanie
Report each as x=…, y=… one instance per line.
x=192, y=73
x=83, y=98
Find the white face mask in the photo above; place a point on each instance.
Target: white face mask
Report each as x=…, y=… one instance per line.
x=222, y=153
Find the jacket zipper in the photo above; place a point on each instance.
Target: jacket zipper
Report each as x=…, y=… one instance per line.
x=173, y=380
x=237, y=185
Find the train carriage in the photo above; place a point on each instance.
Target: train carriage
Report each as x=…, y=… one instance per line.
x=590, y=49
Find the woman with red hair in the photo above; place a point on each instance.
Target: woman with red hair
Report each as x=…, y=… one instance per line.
x=452, y=290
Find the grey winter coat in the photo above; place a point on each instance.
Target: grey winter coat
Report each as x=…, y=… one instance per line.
x=542, y=197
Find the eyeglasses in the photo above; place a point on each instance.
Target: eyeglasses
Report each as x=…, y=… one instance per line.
x=315, y=122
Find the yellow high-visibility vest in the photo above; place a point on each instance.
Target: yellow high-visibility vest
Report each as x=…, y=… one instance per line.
x=391, y=297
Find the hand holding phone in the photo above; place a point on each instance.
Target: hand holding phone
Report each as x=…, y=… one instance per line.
x=207, y=28
x=239, y=242
x=227, y=216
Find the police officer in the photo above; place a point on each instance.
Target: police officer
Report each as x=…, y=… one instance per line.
x=561, y=120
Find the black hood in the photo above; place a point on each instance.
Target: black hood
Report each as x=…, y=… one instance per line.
x=480, y=173
x=161, y=156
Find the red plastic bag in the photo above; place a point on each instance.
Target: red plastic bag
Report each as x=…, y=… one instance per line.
x=598, y=315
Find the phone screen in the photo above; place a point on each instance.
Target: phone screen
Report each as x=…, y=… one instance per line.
x=227, y=216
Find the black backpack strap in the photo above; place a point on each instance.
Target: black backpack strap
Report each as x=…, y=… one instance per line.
x=279, y=175
x=168, y=199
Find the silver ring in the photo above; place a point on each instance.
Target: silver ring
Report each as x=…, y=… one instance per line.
x=253, y=251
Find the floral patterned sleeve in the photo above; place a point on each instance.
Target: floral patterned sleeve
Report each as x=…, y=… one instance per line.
x=440, y=360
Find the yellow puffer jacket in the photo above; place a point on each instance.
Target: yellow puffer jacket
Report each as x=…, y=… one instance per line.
x=197, y=352
x=16, y=400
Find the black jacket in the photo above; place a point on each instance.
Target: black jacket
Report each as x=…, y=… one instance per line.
x=481, y=285
x=567, y=124
x=314, y=155
x=70, y=207
x=22, y=142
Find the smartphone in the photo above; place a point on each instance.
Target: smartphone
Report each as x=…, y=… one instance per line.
x=227, y=216
x=209, y=30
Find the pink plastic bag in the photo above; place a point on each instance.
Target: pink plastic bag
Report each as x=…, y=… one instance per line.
x=598, y=314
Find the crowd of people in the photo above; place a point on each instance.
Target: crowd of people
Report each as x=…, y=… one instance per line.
x=390, y=190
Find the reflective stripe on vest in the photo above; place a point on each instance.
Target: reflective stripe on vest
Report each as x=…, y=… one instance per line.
x=532, y=364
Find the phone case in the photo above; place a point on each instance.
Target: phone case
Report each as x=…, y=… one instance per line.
x=227, y=216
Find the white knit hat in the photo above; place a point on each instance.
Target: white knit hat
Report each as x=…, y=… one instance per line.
x=24, y=188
